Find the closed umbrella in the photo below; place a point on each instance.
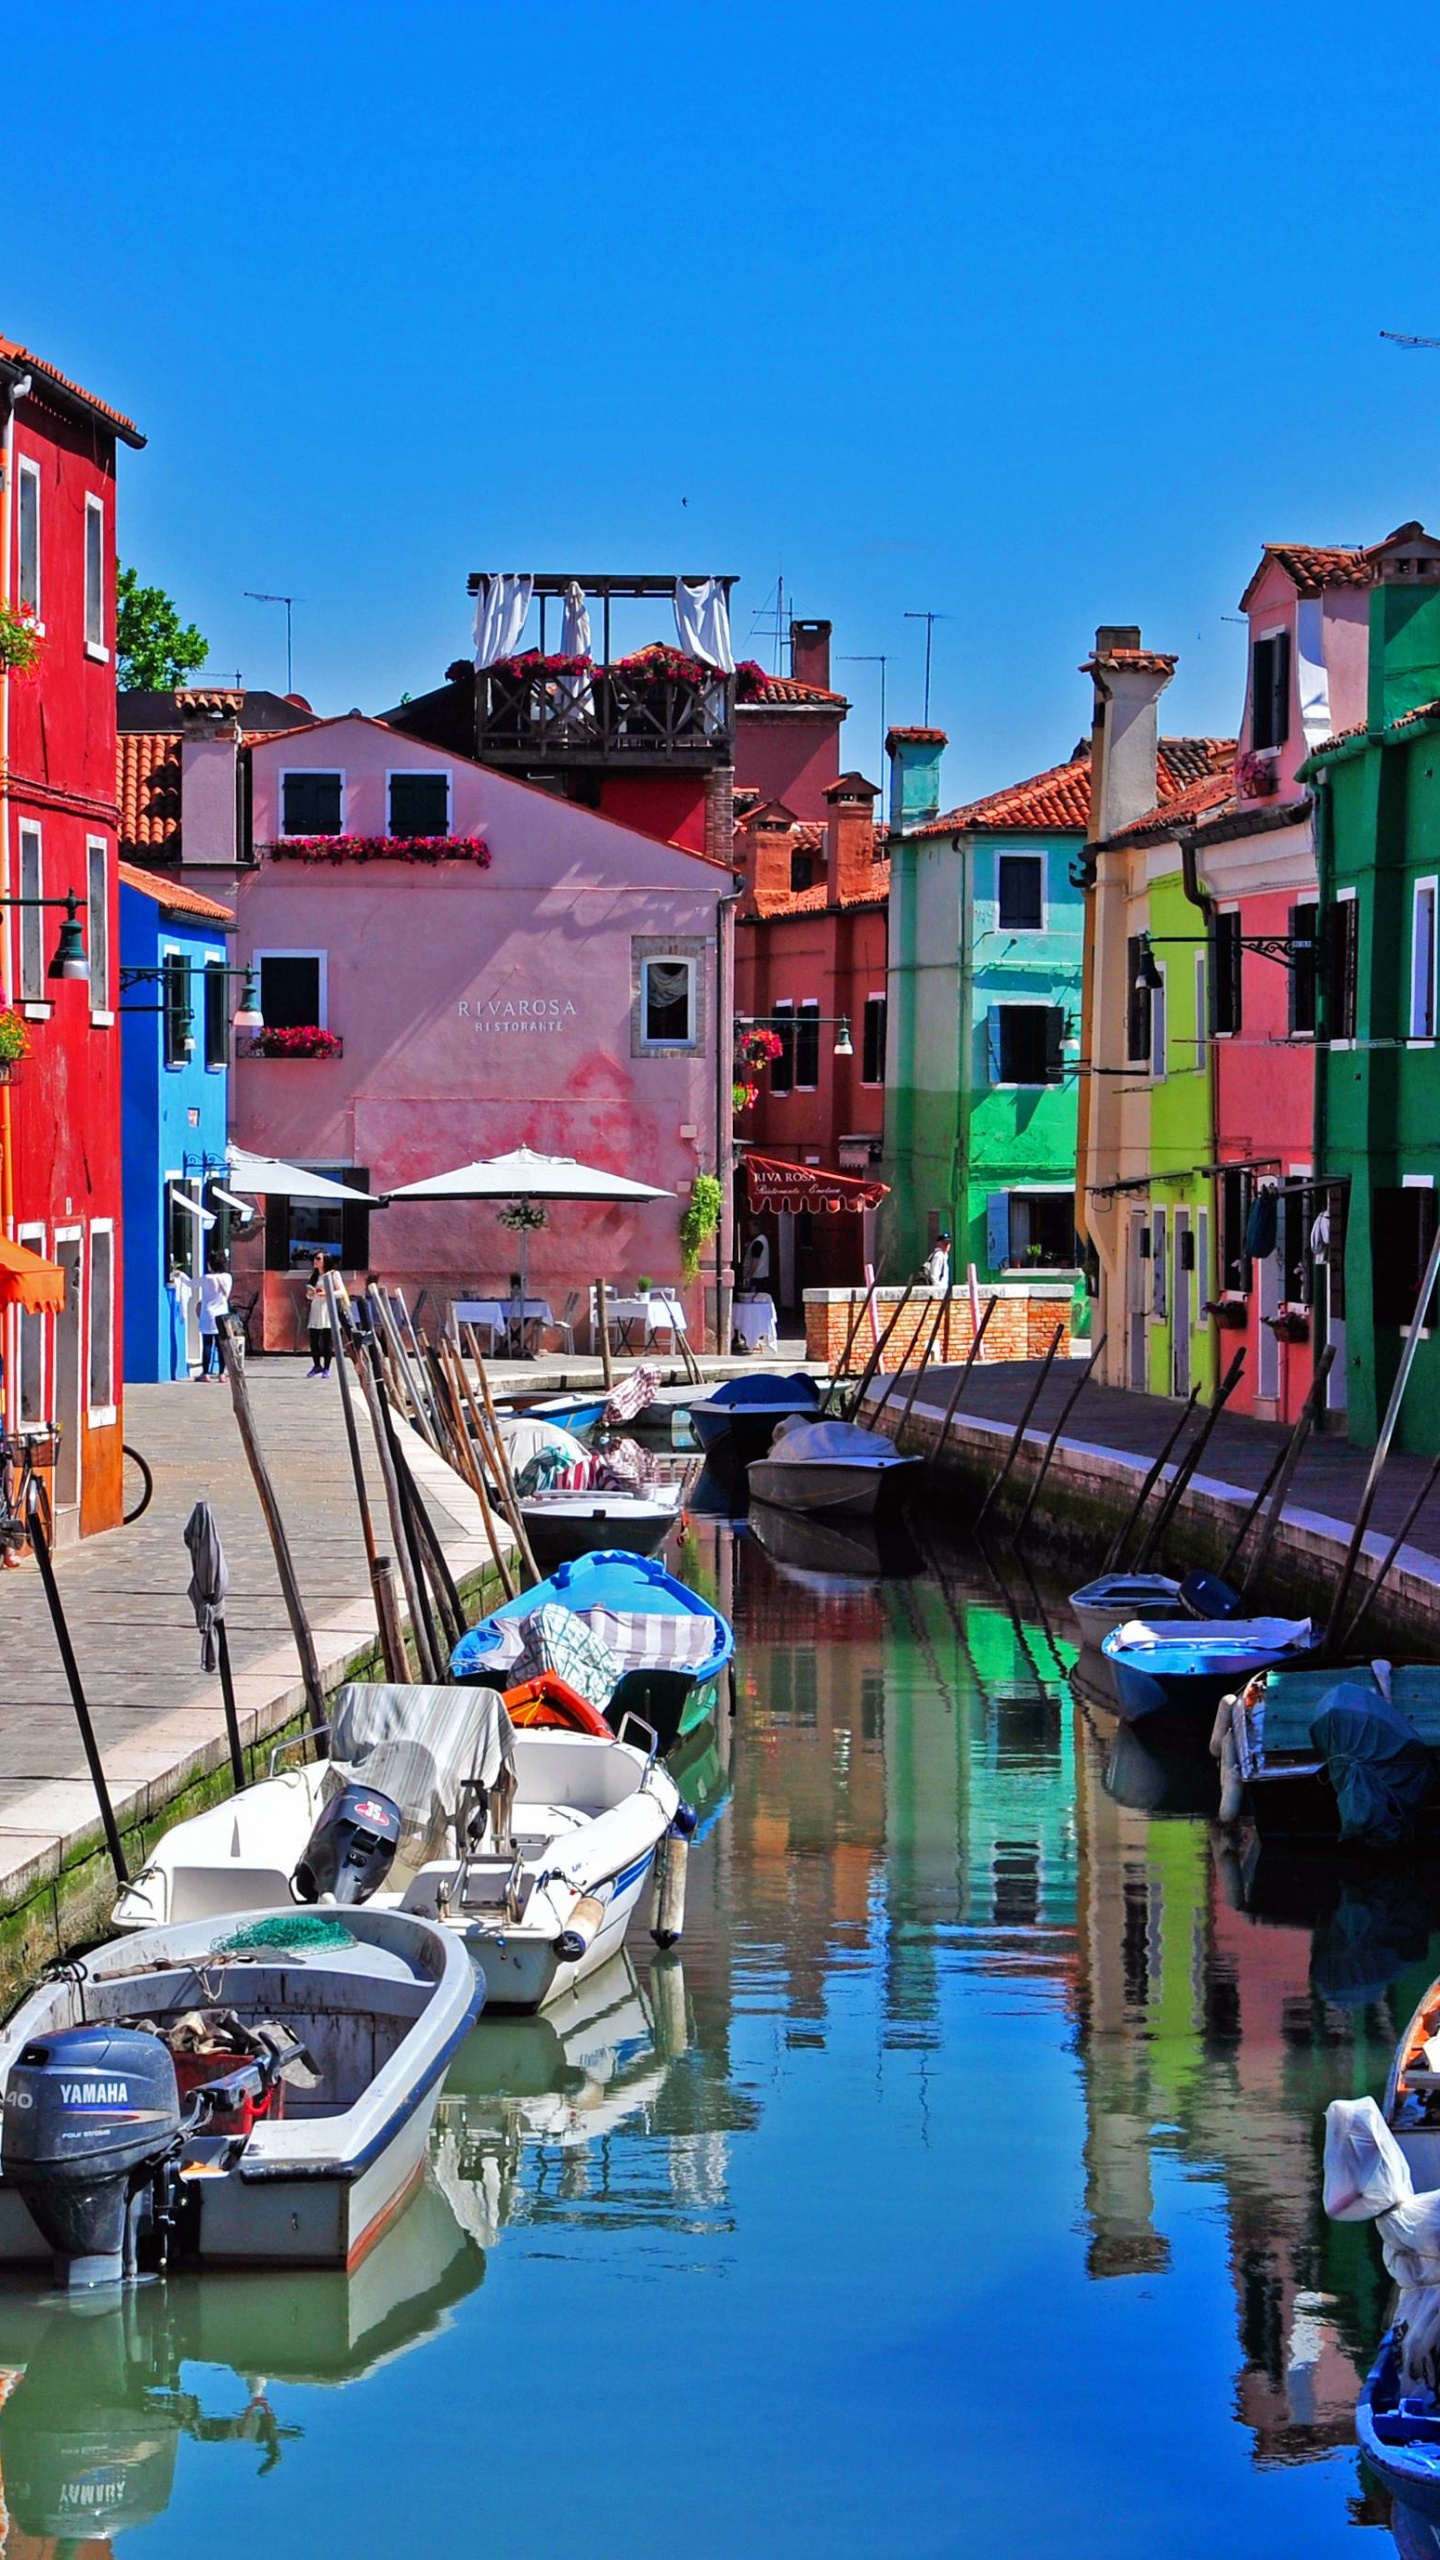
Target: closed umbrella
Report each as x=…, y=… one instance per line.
x=209, y=1583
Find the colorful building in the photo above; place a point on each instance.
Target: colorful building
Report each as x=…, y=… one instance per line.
x=60, y=1170
x=177, y=997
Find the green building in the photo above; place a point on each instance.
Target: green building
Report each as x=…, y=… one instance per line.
x=1377, y=793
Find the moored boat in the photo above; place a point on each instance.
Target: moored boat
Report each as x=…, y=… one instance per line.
x=833, y=1470
x=661, y=1646
x=1343, y=1757
x=1398, y=2432
x=564, y=1523
x=739, y=1420
x=1113, y=1599
x=1186, y=1669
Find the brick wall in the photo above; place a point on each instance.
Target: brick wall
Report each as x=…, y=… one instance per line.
x=1020, y=1329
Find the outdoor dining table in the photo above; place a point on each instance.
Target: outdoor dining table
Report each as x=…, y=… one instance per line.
x=753, y=1321
x=502, y=1315
x=654, y=1310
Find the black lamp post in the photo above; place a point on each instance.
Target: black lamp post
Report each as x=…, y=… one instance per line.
x=68, y=959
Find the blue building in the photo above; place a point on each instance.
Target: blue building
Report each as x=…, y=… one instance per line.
x=176, y=1005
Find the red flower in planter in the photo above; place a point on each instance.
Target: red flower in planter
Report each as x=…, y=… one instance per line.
x=425, y=849
x=659, y=664
x=297, y=1040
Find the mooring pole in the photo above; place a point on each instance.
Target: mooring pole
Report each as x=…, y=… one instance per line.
x=1013, y=1452
x=1053, y=1443
x=1290, y=1460
x=280, y=1544
x=40, y=1544
x=1170, y=1501
x=1382, y=1445
x=1397, y=1542
x=957, y=1391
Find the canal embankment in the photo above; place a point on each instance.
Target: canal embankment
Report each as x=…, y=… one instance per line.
x=1110, y=1443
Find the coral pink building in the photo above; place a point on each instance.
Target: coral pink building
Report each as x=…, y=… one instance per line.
x=495, y=966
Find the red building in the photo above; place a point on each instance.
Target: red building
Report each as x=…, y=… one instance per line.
x=60, y=1178
x=810, y=959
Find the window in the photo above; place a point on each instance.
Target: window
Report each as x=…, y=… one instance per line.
x=296, y=1229
x=1202, y=1009
x=1042, y=1229
x=1270, y=691
x=1402, y=1231
x=97, y=921
x=292, y=989
x=802, y=871
x=1304, y=975
x=782, y=1069
x=217, y=1015
x=1236, y=1269
x=1227, y=979
x=1297, y=1213
x=30, y=1345
x=419, y=804
x=1159, y=1267
x=872, y=1041
x=1342, y=969
x=1025, y=1043
x=32, y=919
x=1137, y=1006
x=1422, y=963
x=175, y=1021
x=1022, y=891
x=667, y=1004
x=95, y=578
x=1158, y=1028
x=807, y=1047
x=311, y=803
x=185, y=1234
x=27, y=499
x=102, y=1321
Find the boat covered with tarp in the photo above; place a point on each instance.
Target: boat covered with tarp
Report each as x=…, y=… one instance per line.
x=1341, y=1757
x=620, y=1629
x=833, y=1470
x=739, y=1420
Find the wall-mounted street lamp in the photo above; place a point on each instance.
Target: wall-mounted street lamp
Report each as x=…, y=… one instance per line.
x=247, y=1015
x=68, y=959
x=1287, y=948
x=839, y=1022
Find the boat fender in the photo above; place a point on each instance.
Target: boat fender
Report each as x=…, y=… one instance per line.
x=667, y=1902
x=686, y=1822
x=1232, y=1792
x=1221, y=1725
x=580, y=1932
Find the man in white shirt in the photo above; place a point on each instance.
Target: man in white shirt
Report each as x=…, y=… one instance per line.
x=937, y=1263
x=214, y=1300
x=755, y=1269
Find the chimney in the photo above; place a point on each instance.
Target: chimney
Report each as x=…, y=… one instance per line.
x=914, y=776
x=209, y=777
x=810, y=653
x=1404, y=624
x=1125, y=733
x=852, y=838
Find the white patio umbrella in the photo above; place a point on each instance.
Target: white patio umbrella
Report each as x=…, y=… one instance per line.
x=271, y=1177
x=524, y=1175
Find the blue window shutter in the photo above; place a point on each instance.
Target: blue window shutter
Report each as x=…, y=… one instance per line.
x=997, y=1227
x=992, y=1045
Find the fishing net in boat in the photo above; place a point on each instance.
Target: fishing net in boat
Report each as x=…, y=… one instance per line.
x=296, y=1931
x=1367, y=2179
x=421, y=1746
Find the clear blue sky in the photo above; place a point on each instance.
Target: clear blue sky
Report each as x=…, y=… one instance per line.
x=1041, y=317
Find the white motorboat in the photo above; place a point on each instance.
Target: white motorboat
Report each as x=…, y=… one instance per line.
x=1113, y=1599
x=832, y=1468
x=569, y=1522
x=255, y=2093
x=531, y=1843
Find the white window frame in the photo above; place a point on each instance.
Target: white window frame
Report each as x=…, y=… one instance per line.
x=1159, y=1265
x=98, y=1415
x=34, y=1237
x=95, y=646
x=31, y=925
x=1026, y=853
x=670, y=960
x=1159, y=1024
x=807, y=1006
x=306, y=771
x=27, y=475
x=419, y=773
x=1426, y=893
x=297, y=951
x=102, y=1014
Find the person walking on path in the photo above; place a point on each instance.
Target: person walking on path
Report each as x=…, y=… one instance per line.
x=937, y=1262
x=214, y=1302
x=321, y=1331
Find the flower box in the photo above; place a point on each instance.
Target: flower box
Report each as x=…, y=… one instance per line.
x=1257, y=777
x=302, y=1040
x=1231, y=1314
x=416, y=849
x=1290, y=1324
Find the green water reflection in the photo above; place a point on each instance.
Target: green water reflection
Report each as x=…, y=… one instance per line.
x=957, y=2185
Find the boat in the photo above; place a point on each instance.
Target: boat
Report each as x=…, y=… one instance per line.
x=528, y=1841
x=1398, y=2432
x=1113, y=1599
x=1375, y=2161
x=1411, y=2104
x=563, y=1523
x=833, y=1469
x=252, y=2091
x=1185, y=1670
x=1389, y=1729
x=738, y=1421
x=662, y=1648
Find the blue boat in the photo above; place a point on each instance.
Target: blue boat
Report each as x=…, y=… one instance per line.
x=739, y=1420
x=1183, y=1668
x=1399, y=2434
x=671, y=1644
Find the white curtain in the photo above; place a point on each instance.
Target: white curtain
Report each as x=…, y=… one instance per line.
x=702, y=618
x=501, y=608
x=573, y=692
x=1314, y=682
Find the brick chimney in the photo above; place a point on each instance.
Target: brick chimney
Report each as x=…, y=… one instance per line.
x=769, y=836
x=914, y=776
x=1125, y=731
x=810, y=653
x=209, y=784
x=851, y=802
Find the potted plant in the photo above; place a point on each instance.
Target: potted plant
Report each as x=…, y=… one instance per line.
x=1290, y=1322
x=14, y=1044
x=1231, y=1310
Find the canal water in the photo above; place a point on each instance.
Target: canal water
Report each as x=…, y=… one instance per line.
x=955, y=2190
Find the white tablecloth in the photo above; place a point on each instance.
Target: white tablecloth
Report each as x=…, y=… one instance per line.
x=753, y=1323
x=660, y=1312
x=499, y=1313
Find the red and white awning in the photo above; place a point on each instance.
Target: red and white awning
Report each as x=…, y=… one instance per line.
x=775, y=1186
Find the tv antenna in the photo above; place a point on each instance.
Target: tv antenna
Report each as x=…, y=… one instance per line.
x=771, y=621
x=929, y=620
x=874, y=658
x=256, y=597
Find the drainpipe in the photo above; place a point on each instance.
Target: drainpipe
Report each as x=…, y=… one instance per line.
x=725, y=906
x=12, y=390
x=1199, y=897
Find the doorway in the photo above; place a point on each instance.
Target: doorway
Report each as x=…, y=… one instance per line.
x=1267, y=1378
x=1180, y=1316
x=1137, y=1272
x=69, y=1337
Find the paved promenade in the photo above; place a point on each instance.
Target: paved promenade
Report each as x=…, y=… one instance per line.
x=158, y=1717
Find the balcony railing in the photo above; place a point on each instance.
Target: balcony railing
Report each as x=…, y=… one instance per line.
x=536, y=715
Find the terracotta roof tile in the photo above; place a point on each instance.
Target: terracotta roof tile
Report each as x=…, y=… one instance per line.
x=175, y=896
x=769, y=693
x=148, y=789
x=1152, y=662
x=918, y=737
x=1059, y=801
x=1214, y=791
x=13, y=353
x=1310, y=567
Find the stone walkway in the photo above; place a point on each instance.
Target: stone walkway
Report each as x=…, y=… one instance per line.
x=158, y=1717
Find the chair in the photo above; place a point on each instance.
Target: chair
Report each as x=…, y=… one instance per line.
x=565, y=1323
x=241, y=1311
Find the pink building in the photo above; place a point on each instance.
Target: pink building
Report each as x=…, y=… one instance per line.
x=494, y=966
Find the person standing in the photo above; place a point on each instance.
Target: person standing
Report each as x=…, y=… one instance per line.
x=755, y=1269
x=318, y=1325
x=213, y=1301
x=937, y=1262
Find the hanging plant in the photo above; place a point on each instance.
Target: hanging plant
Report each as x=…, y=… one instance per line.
x=742, y=1096
x=758, y=1047
x=525, y=1217
x=662, y=665
x=20, y=642
x=14, y=1038
x=701, y=1218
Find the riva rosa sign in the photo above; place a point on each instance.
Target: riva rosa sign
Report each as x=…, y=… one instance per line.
x=516, y=1013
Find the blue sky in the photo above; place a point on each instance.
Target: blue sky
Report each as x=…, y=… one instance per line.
x=1038, y=317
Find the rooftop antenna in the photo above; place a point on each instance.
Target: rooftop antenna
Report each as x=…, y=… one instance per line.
x=875, y=658
x=929, y=620
x=771, y=623
x=256, y=597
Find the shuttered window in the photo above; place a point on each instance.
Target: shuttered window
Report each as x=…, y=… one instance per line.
x=782, y=1069
x=1342, y=969
x=872, y=1042
x=1021, y=887
x=1137, y=1007
x=419, y=804
x=1226, y=976
x=1270, y=691
x=807, y=1046
x=1305, y=970
x=1024, y=1043
x=310, y=803
x=1402, y=1230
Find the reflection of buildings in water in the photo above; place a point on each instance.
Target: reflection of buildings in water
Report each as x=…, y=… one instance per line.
x=1201, y=2035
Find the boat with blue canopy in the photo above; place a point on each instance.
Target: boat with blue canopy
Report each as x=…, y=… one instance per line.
x=637, y=1642
x=740, y=1419
x=1184, y=1668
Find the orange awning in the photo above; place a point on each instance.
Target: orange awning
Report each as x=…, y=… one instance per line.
x=27, y=1280
x=774, y=1185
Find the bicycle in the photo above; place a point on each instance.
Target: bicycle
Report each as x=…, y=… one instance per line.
x=20, y=1453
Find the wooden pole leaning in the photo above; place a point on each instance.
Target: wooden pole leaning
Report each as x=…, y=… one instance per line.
x=966, y=1366
x=275, y=1527
x=1013, y=1452
x=941, y=1316
x=392, y=1647
x=469, y=1453
x=373, y=1386
x=602, y=1313
x=1289, y=1461
x=1372, y=1588
x=1174, y=1492
x=39, y=1537
x=1382, y=1445
x=1053, y=1443
x=856, y=1321
x=1121, y=1539
x=504, y=1476
x=878, y=1354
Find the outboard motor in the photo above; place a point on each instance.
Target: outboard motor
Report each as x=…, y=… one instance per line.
x=91, y=2116
x=352, y=1848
